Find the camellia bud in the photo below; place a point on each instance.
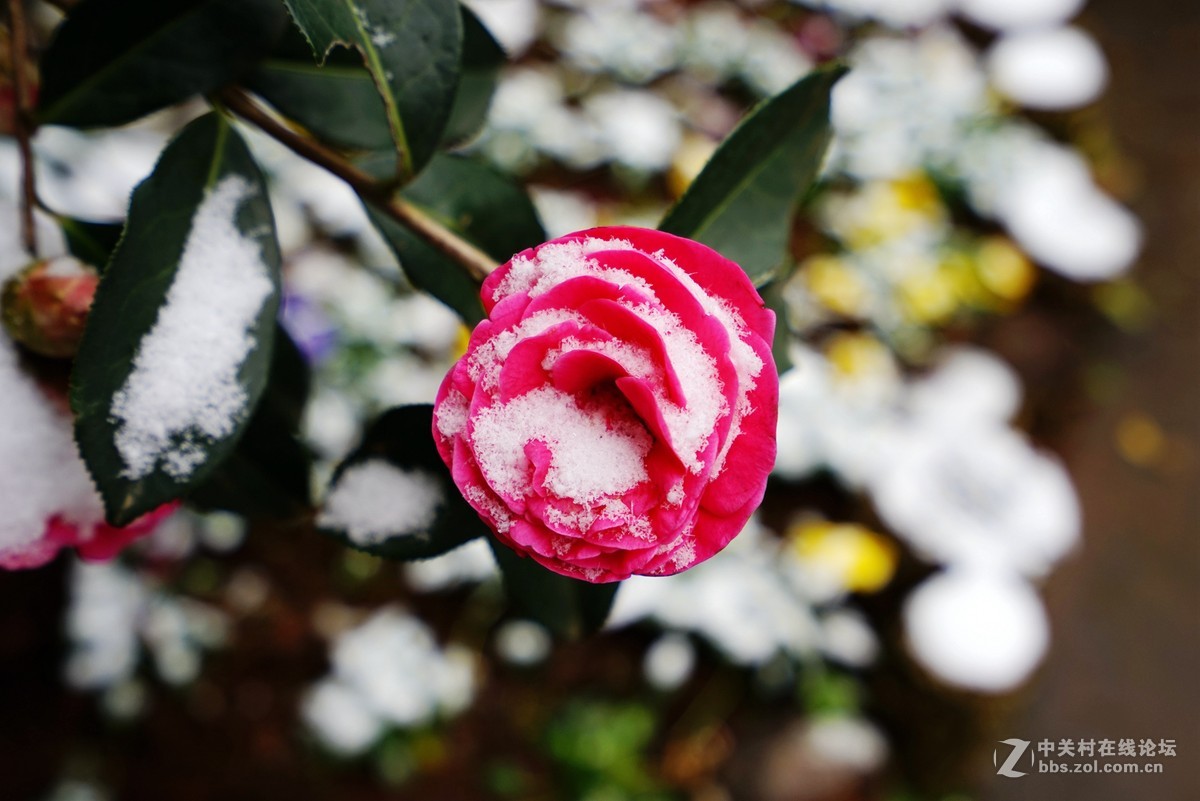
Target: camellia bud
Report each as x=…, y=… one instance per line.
x=45, y=306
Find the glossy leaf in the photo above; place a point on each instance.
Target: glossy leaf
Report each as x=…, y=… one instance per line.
x=336, y=101
x=208, y=153
x=568, y=607
x=412, y=50
x=483, y=206
x=402, y=438
x=113, y=61
x=743, y=202
x=482, y=58
x=268, y=475
x=91, y=242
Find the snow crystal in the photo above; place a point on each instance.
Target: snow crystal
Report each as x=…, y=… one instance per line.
x=183, y=391
x=593, y=452
x=376, y=500
x=561, y=261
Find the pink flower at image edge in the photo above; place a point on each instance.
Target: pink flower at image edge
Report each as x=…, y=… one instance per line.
x=103, y=543
x=615, y=413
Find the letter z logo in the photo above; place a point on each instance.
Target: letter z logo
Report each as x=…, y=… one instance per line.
x=1018, y=750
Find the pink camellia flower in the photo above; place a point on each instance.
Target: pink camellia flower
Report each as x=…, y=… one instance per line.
x=94, y=542
x=615, y=414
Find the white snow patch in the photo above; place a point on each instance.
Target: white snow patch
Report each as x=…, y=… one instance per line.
x=376, y=500
x=183, y=391
x=592, y=456
x=41, y=474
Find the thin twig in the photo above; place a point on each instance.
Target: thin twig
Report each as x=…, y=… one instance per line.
x=474, y=261
x=23, y=121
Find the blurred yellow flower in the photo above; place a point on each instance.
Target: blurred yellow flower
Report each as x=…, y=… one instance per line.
x=690, y=157
x=835, y=284
x=931, y=296
x=861, y=559
x=857, y=355
x=1004, y=269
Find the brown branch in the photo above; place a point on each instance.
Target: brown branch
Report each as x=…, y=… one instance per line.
x=477, y=264
x=23, y=120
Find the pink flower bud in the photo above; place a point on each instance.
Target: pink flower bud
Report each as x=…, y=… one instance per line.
x=45, y=306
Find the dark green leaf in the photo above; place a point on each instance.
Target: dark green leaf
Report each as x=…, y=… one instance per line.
x=412, y=50
x=772, y=295
x=568, y=607
x=113, y=61
x=207, y=160
x=268, y=473
x=91, y=242
x=483, y=206
x=482, y=58
x=743, y=202
x=402, y=438
x=336, y=101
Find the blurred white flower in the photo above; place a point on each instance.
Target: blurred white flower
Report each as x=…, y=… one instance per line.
x=982, y=630
x=896, y=13
x=637, y=128
x=715, y=40
x=470, y=563
x=619, y=39
x=523, y=642
x=669, y=661
x=847, y=637
x=91, y=175
x=945, y=470
x=389, y=671
x=107, y=601
x=331, y=423
x=835, y=422
x=773, y=60
x=112, y=609
x=1055, y=68
x=563, y=211
x=850, y=741
x=904, y=102
x=739, y=602
x=341, y=717
x=977, y=495
x=1054, y=209
x=514, y=23
x=969, y=385
x=1014, y=14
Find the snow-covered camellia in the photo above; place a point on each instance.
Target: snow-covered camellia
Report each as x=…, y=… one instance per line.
x=47, y=499
x=615, y=414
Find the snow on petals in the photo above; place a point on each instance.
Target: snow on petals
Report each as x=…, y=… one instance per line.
x=199, y=341
x=615, y=413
